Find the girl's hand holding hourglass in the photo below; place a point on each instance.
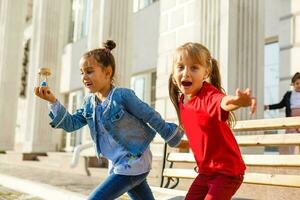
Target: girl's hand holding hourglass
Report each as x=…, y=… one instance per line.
x=43, y=91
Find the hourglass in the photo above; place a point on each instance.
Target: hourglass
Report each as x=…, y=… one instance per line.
x=44, y=73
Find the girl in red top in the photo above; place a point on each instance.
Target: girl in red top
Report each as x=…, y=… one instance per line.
x=204, y=111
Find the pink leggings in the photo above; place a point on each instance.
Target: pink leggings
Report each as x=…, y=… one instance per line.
x=214, y=187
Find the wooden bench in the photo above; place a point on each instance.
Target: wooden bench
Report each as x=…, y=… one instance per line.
x=174, y=174
x=90, y=160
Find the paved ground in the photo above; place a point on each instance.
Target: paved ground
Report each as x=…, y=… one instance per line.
x=72, y=182
x=48, y=177
x=9, y=194
x=64, y=181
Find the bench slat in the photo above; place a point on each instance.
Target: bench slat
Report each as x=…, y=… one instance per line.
x=268, y=139
x=267, y=124
x=272, y=160
x=181, y=157
x=179, y=173
x=273, y=179
x=255, y=160
x=251, y=178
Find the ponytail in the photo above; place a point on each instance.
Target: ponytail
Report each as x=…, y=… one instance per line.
x=215, y=80
x=215, y=76
x=174, y=96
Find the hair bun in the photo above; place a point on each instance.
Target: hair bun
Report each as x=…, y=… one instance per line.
x=110, y=44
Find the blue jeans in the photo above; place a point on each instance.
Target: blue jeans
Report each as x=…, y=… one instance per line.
x=115, y=185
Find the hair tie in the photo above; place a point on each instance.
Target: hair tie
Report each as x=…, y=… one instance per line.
x=210, y=60
x=107, y=50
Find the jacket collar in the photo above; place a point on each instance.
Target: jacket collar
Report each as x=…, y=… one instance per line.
x=109, y=99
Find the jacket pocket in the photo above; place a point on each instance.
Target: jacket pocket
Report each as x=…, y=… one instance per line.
x=117, y=116
x=87, y=115
x=89, y=119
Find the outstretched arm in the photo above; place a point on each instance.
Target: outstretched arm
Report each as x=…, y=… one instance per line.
x=279, y=105
x=61, y=118
x=241, y=99
x=170, y=132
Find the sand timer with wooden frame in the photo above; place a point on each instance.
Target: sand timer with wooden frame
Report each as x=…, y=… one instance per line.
x=44, y=73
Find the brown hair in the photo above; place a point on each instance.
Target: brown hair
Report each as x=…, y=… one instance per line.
x=295, y=77
x=104, y=56
x=199, y=54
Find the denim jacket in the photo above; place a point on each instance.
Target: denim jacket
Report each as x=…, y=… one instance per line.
x=131, y=122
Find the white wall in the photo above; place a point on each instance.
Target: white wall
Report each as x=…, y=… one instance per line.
x=272, y=14
x=145, y=34
x=70, y=73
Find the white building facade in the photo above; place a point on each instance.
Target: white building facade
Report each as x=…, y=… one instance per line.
x=250, y=39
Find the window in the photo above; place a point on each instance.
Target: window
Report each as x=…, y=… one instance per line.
x=25, y=69
x=153, y=89
x=140, y=4
x=271, y=84
x=81, y=10
x=271, y=77
x=144, y=86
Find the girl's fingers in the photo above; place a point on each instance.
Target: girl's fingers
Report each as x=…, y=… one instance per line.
x=237, y=91
x=36, y=89
x=42, y=92
x=248, y=92
x=253, y=106
x=45, y=93
x=37, y=92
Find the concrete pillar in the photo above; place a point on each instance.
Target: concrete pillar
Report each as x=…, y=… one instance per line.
x=50, y=33
x=242, y=49
x=12, y=22
x=113, y=20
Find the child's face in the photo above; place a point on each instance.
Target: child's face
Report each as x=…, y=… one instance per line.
x=296, y=85
x=94, y=77
x=189, y=76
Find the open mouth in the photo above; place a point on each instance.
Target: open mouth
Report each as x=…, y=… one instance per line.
x=186, y=83
x=88, y=84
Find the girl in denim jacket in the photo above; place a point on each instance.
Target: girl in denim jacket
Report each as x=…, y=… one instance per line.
x=121, y=126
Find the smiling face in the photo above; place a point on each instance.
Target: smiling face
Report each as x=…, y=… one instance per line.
x=188, y=74
x=94, y=77
x=296, y=85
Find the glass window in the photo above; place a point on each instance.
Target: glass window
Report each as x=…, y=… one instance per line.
x=271, y=78
x=24, y=77
x=141, y=4
x=271, y=83
x=153, y=89
x=81, y=10
x=139, y=87
x=144, y=86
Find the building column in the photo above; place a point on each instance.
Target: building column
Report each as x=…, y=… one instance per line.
x=50, y=24
x=12, y=23
x=113, y=21
x=289, y=43
x=242, y=50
